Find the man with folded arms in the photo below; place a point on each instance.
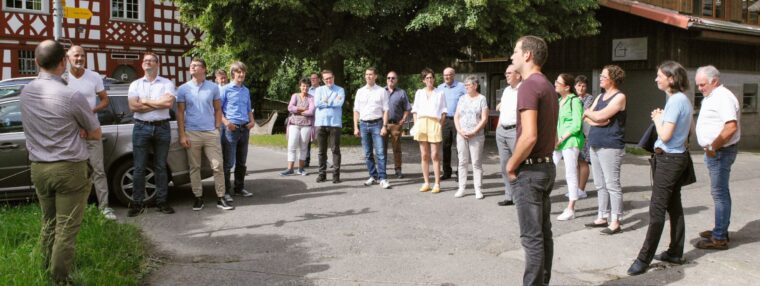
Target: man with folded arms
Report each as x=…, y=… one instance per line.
x=150, y=98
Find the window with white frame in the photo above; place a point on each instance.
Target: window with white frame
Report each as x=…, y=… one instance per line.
x=133, y=10
x=26, y=65
x=26, y=5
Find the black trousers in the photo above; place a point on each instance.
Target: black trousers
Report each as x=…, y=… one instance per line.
x=666, y=197
x=329, y=136
x=449, y=139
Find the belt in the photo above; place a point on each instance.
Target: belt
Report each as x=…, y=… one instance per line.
x=241, y=125
x=373, y=120
x=659, y=151
x=390, y=121
x=450, y=117
x=508, y=127
x=154, y=123
x=537, y=160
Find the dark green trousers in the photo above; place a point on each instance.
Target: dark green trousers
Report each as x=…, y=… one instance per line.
x=62, y=189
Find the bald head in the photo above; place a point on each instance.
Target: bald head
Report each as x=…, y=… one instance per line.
x=76, y=57
x=448, y=75
x=49, y=55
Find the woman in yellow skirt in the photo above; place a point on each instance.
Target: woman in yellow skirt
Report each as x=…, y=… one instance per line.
x=429, y=112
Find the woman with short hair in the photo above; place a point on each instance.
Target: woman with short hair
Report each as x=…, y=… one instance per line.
x=671, y=160
x=300, y=125
x=470, y=120
x=607, y=119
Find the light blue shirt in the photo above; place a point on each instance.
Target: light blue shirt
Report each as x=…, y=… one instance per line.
x=329, y=101
x=452, y=93
x=236, y=103
x=199, y=104
x=678, y=111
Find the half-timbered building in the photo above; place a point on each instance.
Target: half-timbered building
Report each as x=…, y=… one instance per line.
x=114, y=38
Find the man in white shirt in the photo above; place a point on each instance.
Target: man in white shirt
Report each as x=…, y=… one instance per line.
x=718, y=133
x=89, y=84
x=370, y=120
x=505, y=132
x=150, y=98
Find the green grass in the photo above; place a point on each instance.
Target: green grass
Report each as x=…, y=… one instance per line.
x=636, y=151
x=107, y=252
x=279, y=140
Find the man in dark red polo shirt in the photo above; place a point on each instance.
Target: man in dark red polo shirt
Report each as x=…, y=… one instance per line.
x=530, y=169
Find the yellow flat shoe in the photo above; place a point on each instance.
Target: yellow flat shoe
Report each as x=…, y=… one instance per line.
x=425, y=188
x=436, y=189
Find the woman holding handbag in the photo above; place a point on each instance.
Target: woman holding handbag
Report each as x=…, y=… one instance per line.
x=671, y=160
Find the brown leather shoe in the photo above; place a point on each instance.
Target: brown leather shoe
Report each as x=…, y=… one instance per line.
x=708, y=234
x=712, y=244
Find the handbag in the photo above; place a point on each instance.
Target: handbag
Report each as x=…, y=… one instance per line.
x=413, y=130
x=648, y=139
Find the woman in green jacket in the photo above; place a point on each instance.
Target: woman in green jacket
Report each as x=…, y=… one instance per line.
x=569, y=138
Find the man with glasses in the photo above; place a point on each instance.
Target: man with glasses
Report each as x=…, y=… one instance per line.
x=452, y=91
x=370, y=120
x=506, y=132
x=150, y=98
x=329, y=99
x=199, y=115
x=89, y=84
x=398, y=111
x=237, y=117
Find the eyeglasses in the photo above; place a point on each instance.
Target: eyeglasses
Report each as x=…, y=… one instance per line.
x=327, y=78
x=429, y=77
x=390, y=78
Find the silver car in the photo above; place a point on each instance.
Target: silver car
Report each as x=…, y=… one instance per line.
x=116, y=123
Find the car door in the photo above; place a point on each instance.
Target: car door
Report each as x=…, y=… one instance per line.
x=15, y=178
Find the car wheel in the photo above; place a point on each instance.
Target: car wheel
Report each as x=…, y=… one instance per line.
x=122, y=183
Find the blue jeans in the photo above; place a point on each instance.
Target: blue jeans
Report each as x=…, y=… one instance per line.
x=235, y=150
x=373, y=143
x=147, y=138
x=531, y=192
x=720, y=171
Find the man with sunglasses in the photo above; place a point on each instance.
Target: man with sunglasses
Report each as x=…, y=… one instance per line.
x=398, y=111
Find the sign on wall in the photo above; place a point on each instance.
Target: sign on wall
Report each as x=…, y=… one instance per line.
x=630, y=49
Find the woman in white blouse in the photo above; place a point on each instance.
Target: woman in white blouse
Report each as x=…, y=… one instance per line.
x=429, y=112
x=470, y=120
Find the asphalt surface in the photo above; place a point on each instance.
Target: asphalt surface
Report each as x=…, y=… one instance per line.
x=294, y=231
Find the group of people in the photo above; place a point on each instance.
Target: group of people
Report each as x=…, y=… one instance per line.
x=63, y=137
x=539, y=125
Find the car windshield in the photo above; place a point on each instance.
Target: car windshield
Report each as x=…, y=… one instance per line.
x=8, y=91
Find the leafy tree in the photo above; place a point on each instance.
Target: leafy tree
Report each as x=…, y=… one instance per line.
x=281, y=38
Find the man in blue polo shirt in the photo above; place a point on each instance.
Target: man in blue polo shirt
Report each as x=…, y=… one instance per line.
x=199, y=115
x=238, y=121
x=452, y=90
x=329, y=99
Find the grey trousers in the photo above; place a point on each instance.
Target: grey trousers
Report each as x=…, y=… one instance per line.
x=95, y=148
x=532, y=188
x=605, y=164
x=505, y=143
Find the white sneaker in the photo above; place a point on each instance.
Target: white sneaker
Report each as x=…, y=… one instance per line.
x=370, y=181
x=479, y=195
x=581, y=195
x=108, y=213
x=228, y=198
x=384, y=184
x=567, y=214
x=459, y=193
